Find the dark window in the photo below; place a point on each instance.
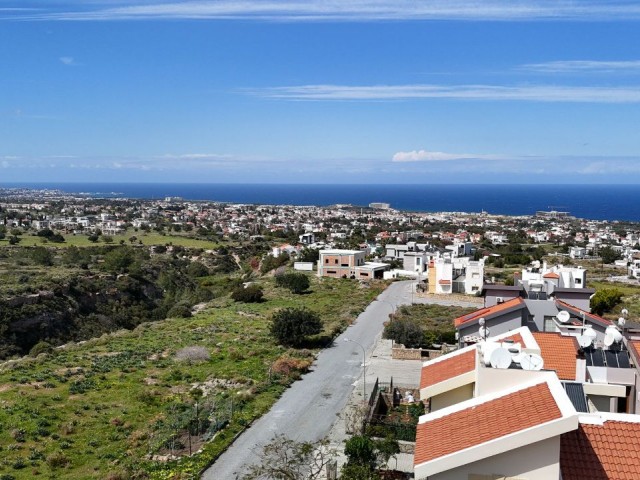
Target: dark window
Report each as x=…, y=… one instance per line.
x=336, y=261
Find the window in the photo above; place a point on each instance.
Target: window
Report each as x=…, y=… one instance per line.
x=344, y=264
x=578, y=281
x=326, y=260
x=336, y=261
x=549, y=323
x=331, y=272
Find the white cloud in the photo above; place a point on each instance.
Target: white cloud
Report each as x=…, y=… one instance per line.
x=354, y=10
x=69, y=61
x=569, y=66
x=425, y=156
x=532, y=93
x=4, y=164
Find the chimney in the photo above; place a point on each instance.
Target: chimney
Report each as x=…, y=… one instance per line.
x=581, y=366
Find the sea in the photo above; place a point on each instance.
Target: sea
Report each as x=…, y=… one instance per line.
x=595, y=202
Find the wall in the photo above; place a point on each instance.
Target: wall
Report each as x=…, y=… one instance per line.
x=538, y=461
x=452, y=397
x=501, y=324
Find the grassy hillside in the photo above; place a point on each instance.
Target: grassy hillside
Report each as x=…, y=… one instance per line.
x=119, y=406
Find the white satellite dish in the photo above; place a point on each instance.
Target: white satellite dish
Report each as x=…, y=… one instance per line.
x=500, y=358
x=590, y=332
x=563, y=316
x=487, y=349
x=584, y=341
x=532, y=361
x=621, y=322
x=518, y=358
x=608, y=340
x=624, y=312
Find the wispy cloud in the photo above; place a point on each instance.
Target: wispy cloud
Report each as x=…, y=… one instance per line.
x=577, y=66
x=425, y=156
x=354, y=10
x=531, y=93
x=69, y=61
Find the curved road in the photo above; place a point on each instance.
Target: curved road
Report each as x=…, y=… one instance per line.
x=306, y=411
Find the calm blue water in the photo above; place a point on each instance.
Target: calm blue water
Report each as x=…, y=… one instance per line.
x=598, y=202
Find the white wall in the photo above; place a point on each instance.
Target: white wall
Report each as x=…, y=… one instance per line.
x=538, y=461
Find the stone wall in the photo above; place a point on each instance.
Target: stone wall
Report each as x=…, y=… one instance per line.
x=400, y=352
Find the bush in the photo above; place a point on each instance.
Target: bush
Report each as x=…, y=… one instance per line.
x=193, y=354
x=179, y=311
x=406, y=331
x=40, y=347
x=291, y=326
x=250, y=294
x=604, y=300
x=58, y=460
x=286, y=366
x=296, y=282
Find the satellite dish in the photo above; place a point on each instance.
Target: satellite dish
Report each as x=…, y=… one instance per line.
x=608, y=340
x=584, y=341
x=487, y=349
x=518, y=358
x=624, y=312
x=483, y=332
x=563, y=316
x=590, y=332
x=621, y=322
x=500, y=358
x=532, y=362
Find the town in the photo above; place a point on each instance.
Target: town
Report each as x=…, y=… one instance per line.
x=482, y=315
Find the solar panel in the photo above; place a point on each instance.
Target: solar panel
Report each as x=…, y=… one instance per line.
x=623, y=360
x=612, y=359
x=597, y=358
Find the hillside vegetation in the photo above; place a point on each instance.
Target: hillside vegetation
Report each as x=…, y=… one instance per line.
x=132, y=404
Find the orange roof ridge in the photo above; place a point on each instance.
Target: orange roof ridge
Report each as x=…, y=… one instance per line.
x=487, y=311
x=486, y=421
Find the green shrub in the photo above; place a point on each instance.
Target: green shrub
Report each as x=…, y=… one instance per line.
x=250, y=294
x=291, y=326
x=296, y=282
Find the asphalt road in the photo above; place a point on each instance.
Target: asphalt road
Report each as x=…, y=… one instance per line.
x=306, y=411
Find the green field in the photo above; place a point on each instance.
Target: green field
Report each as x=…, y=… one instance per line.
x=151, y=238
x=102, y=408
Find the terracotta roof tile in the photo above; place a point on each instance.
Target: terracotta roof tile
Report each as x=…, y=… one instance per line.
x=487, y=421
x=601, y=452
x=451, y=367
x=558, y=352
x=551, y=275
x=578, y=311
x=444, y=282
x=634, y=347
x=489, y=311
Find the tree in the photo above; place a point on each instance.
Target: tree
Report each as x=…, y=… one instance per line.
x=406, y=331
x=361, y=450
x=41, y=256
x=605, y=300
x=291, y=326
x=296, y=282
x=609, y=255
x=285, y=459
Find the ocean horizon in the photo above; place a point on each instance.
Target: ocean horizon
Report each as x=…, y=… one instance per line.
x=595, y=202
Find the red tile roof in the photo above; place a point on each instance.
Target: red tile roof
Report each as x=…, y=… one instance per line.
x=558, y=352
x=487, y=421
x=444, y=282
x=489, y=311
x=451, y=367
x=634, y=346
x=551, y=275
x=601, y=452
x=578, y=311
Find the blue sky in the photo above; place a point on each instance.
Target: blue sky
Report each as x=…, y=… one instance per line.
x=365, y=91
